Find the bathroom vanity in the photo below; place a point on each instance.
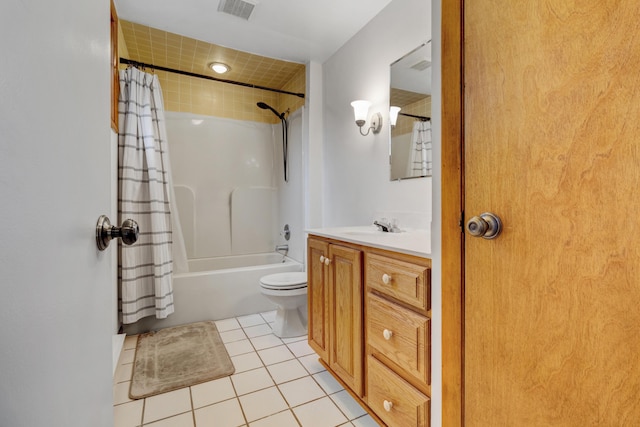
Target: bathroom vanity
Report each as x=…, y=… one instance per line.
x=369, y=317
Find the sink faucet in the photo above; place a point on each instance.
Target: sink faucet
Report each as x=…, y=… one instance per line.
x=386, y=227
x=382, y=226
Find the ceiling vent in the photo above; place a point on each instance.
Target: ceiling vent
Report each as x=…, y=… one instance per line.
x=240, y=8
x=421, y=65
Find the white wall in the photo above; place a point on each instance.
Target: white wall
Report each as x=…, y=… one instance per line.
x=313, y=143
x=356, y=168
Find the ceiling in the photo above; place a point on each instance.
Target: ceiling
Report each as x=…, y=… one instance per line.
x=291, y=30
x=412, y=72
x=160, y=48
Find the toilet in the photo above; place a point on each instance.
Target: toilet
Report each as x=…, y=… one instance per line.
x=289, y=292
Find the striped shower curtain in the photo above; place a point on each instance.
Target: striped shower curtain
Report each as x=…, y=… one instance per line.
x=421, y=163
x=146, y=267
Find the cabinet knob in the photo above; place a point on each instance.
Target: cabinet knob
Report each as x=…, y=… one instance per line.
x=387, y=334
x=327, y=261
x=387, y=405
x=322, y=258
x=386, y=279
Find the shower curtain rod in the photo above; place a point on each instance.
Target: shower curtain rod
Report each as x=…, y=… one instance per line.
x=423, y=118
x=202, y=76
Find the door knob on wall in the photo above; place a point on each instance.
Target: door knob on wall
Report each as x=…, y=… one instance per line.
x=487, y=226
x=105, y=232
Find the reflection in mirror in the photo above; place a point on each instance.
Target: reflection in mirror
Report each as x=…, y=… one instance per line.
x=410, y=145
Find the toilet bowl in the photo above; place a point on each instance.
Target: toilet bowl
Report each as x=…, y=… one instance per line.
x=289, y=292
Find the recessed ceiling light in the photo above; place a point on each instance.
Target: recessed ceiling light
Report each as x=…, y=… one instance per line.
x=219, y=67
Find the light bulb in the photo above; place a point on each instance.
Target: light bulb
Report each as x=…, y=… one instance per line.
x=393, y=114
x=360, y=111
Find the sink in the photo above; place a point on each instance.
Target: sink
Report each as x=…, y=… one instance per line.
x=365, y=232
x=409, y=241
x=362, y=232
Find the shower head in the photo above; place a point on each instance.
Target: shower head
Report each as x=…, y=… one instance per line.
x=285, y=139
x=268, y=107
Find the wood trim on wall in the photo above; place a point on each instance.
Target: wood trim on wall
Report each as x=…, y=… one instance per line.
x=452, y=208
x=114, y=68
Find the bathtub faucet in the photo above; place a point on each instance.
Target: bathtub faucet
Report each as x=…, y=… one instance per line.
x=282, y=248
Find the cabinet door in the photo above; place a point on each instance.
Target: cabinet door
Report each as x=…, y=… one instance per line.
x=318, y=297
x=345, y=273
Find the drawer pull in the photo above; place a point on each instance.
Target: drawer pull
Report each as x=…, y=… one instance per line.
x=322, y=259
x=387, y=334
x=387, y=405
x=327, y=261
x=386, y=279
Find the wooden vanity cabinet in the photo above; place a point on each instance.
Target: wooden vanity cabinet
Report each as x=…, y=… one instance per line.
x=335, y=309
x=369, y=321
x=318, y=297
x=398, y=338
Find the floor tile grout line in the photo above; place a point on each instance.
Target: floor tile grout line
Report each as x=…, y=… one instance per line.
x=289, y=408
x=244, y=415
x=264, y=366
x=144, y=404
x=165, y=418
x=237, y=397
x=193, y=410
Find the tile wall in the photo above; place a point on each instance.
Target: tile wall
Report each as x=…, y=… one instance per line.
x=201, y=96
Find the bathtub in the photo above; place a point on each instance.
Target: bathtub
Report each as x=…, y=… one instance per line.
x=219, y=288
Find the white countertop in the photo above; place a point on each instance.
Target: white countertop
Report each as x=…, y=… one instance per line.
x=412, y=242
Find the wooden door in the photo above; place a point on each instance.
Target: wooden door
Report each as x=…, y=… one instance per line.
x=318, y=297
x=552, y=146
x=345, y=294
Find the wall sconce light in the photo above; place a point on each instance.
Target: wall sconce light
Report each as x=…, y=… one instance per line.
x=393, y=114
x=360, y=110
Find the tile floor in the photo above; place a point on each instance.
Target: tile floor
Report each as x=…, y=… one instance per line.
x=277, y=383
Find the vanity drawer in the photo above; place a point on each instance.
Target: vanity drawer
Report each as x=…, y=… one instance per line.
x=400, y=335
x=393, y=399
x=404, y=281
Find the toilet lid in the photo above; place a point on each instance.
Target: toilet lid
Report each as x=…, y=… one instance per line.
x=293, y=280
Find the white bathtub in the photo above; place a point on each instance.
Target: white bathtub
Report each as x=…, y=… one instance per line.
x=219, y=288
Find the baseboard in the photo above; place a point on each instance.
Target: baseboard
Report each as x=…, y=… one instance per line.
x=117, y=343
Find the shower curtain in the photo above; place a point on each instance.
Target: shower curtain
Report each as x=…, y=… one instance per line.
x=145, y=195
x=421, y=163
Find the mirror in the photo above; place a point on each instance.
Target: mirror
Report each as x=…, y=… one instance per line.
x=410, y=151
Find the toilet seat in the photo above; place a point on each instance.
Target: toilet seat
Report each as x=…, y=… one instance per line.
x=284, y=281
x=288, y=291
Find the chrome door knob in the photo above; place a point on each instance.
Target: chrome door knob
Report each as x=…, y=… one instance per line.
x=129, y=232
x=105, y=232
x=487, y=226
